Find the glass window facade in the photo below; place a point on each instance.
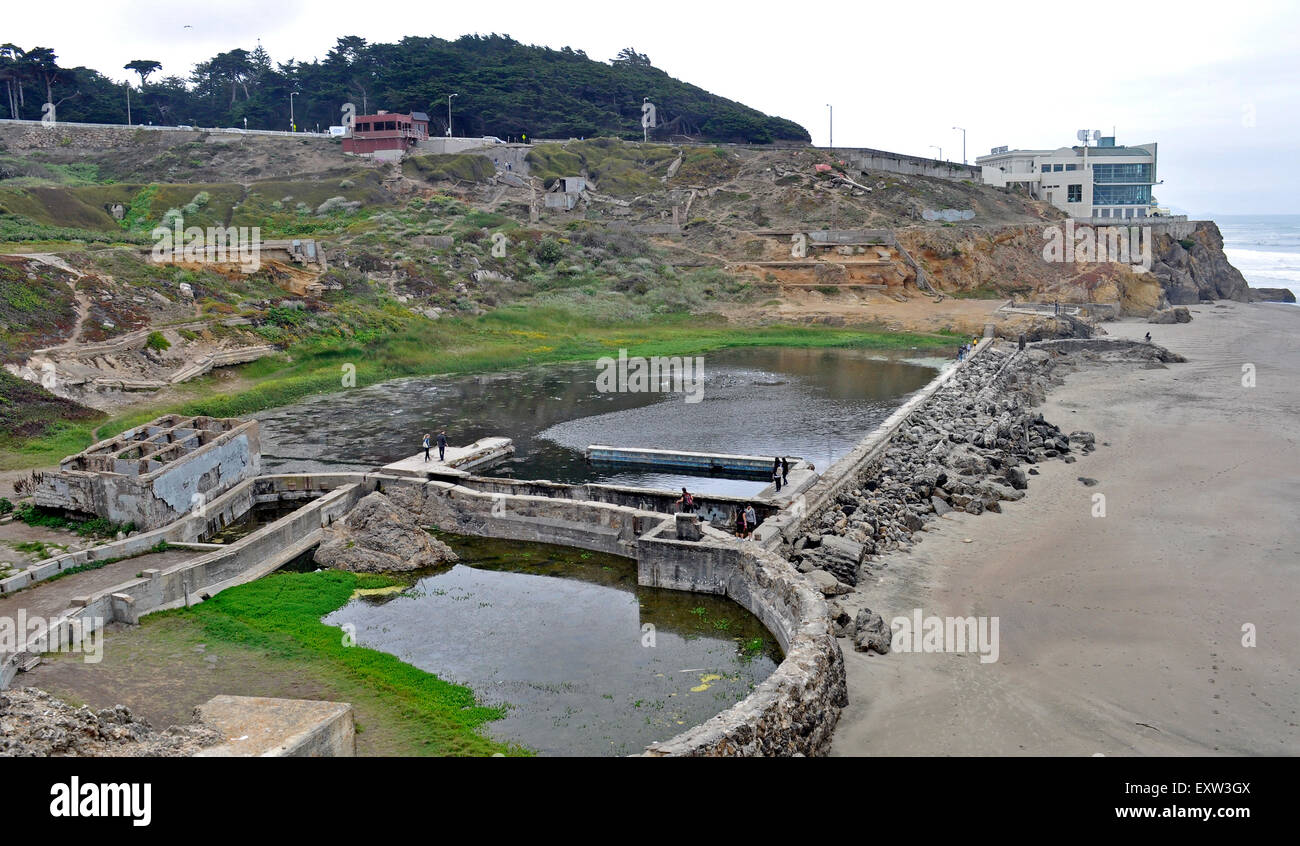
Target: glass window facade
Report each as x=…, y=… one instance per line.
x=1121, y=195
x=1074, y=194
x=1118, y=173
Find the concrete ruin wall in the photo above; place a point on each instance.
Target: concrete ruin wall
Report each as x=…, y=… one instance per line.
x=795, y=710
x=792, y=712
x=156, y=473
x=643, y=499
x=869, y=160
x=247, y=559
x=266, y=727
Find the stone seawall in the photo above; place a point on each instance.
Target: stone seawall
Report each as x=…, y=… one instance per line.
x=970, y=446
x=795, y=710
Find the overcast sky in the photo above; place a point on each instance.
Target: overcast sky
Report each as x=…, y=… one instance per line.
x=1217, y=85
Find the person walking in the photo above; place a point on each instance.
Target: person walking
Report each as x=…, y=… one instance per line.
x=742, y=530
x=751, y=519
x=776, y=474
x=426, y=444
x=785, y=470
x=687, y=502
x=442, y=444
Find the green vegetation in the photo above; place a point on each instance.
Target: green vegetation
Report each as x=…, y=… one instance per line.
x=156, y=341
x=30, y=172
x=36, y=306
x=615, y=167
x=281, y=615
x=38, y=549
x=512, y=336
x=982, y=293
x=463, y=167
x=29, y=411
x=97, y=527
x=17, y=229
x=507, y=89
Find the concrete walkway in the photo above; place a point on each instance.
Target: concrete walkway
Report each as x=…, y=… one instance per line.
x=456, y=461
x=50, y=598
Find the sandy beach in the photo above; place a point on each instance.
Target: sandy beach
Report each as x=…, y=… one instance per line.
x=1120, y=634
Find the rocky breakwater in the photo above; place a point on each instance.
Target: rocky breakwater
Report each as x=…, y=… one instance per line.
x=972, y=447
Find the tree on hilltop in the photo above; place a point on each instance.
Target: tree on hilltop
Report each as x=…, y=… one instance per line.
x=144, y=67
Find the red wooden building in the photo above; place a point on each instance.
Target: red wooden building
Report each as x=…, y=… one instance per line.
x=382, y=132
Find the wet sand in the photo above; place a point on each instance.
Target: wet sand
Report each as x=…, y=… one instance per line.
x=1122, y=634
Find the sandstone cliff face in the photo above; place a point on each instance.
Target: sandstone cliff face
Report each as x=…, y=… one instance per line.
x=1195, y=268
x=1187, y=265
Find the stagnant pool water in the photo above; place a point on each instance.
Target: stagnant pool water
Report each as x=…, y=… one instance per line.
x=260, y=516
x=815, y=404
x=589, y=662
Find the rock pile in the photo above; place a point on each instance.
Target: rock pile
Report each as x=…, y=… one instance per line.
x=376, y=536
x=1176, y=314
x=970, y=448
x=35, y=724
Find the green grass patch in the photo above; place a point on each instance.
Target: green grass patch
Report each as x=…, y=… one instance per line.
x=281, y=615
x=616, y=167
x=464, y=167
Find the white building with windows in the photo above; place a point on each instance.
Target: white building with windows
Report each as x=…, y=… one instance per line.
x=1101, y=182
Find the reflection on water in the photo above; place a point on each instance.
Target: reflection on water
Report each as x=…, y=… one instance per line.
x=558, y=634
x=810, y=403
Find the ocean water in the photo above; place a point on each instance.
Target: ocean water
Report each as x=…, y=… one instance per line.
x=1264, y=247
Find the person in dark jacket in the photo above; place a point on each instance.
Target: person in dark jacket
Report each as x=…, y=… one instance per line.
x=442, y=444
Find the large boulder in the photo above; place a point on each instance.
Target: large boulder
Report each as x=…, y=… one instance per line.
x=871, y=633
x=828, y=584
x=377, y=536
x=1177, y=314
x=840, y=557
x=1272, y=295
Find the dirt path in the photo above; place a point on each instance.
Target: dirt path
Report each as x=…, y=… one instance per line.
x=1119, y=634
x=82, y=300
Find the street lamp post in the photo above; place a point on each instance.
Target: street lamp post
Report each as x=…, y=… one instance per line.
x=449, y=96
x=830, y=126
x=963, y=144
x=940, y=149
x=292, y=94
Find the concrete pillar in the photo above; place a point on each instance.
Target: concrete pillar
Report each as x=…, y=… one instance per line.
x=688, y=527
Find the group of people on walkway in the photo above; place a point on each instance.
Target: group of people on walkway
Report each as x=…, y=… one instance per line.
x=780, y=472
x=964, y=351
x=746, y=518
x=442, y=444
